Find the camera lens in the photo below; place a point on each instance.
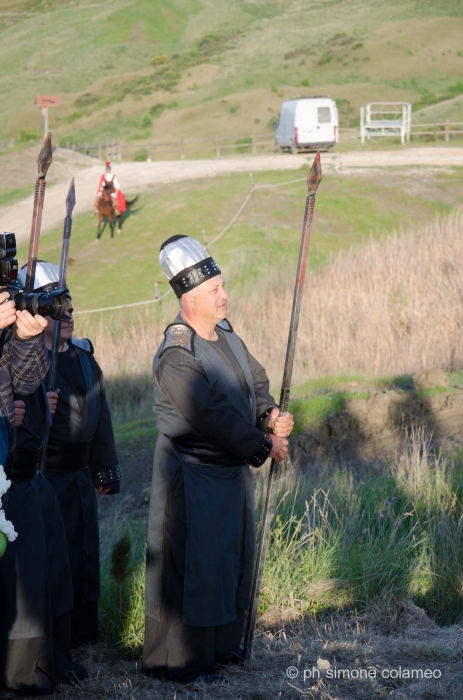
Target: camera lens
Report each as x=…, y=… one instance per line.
x=56, y=304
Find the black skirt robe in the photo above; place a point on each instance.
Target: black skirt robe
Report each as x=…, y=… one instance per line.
x=212, y=404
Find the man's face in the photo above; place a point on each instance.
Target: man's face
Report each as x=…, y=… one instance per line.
x=66, y=327
x=210, y=300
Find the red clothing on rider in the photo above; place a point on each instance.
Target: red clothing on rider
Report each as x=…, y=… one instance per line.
x=107, y=178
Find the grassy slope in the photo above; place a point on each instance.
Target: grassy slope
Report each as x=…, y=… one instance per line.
x=257, y=52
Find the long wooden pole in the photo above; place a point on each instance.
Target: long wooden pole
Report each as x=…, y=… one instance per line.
x=313, y=180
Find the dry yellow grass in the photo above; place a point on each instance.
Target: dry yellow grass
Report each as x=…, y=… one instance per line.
x=394, y=307
x=310, y=660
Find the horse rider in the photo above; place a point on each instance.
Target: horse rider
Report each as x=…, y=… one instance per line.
x=109, y=180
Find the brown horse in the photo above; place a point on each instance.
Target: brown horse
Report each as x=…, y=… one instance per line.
x=107, y=210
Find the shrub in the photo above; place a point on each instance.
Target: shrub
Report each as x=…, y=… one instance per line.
x=159, y=59
x=141, y=154
x=28, y=135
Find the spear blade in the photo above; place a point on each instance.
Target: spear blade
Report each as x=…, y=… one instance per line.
x=71, y=199
x=45, y=157
x=315, y=175
x=70, y=204
x=43, y=163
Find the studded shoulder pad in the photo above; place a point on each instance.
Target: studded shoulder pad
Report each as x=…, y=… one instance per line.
x=179, y=335
x=83, y=344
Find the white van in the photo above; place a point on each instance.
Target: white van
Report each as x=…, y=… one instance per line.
x=307, y=123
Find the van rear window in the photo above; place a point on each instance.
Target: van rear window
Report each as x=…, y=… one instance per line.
x=324, y=115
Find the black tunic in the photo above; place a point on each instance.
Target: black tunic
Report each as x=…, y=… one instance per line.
x=36, y=596
x=212, y=403
x=81, y=454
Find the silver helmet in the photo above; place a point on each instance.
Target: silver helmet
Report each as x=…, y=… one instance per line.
x=186, y=263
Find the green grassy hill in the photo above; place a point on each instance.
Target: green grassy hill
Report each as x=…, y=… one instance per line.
x=220, y=66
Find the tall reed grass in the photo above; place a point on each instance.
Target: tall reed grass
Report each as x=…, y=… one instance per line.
x=339, y=542
x=392, y=308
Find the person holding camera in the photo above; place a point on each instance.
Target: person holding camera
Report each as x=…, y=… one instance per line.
x=34, y=575
x=81, y=458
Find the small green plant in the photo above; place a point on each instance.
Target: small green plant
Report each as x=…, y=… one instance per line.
x=26, y=135
x=305, y=83
x=146, y=121
x=120, y=566
x=86, y=100
x=325, y=58
x=240, y=142
x=234, y=109
x=159, y=59
x=157, y=109
x=141, y=154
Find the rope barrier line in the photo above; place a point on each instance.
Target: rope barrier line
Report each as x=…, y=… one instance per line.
x=232, y=221
x=211, y=242
x=124, y=306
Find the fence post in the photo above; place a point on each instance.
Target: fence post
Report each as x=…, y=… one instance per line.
x=99, y=150
x=149, y=149
x=253, y=145
x=217, y=147
x=447, y=131
x=86, y=148
x=182, y=150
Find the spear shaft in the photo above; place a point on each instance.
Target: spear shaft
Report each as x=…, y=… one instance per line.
x=67, y=228
x=313, y=180
x=43, y=162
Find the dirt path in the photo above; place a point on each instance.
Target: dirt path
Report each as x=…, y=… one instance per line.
x=136, y=177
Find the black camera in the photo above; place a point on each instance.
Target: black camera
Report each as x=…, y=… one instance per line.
x=8, y=263
x=55, y=303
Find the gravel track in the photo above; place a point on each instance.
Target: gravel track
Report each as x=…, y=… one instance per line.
x=138, y=177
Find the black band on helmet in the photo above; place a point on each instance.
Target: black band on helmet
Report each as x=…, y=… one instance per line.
x=193, y=276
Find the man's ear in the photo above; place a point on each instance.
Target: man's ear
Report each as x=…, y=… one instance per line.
x=189, y=300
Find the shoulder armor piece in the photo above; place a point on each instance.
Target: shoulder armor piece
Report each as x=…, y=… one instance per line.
x=225, y=325
x=83, y=344
x=179, y=335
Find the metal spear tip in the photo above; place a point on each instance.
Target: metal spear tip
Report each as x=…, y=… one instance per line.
x=71, y=198
x=315, y=175
x=45, y=157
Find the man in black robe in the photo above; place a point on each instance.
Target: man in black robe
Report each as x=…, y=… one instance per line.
x=215, y=417
x=81, y=459
x=32, y=658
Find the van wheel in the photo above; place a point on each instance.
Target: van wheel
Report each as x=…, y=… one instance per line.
x=293, y=148
x=278, y=149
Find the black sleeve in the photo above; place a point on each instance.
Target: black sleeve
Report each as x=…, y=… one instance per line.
x=103, y=462
x=182, y=379
x=265, y=402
